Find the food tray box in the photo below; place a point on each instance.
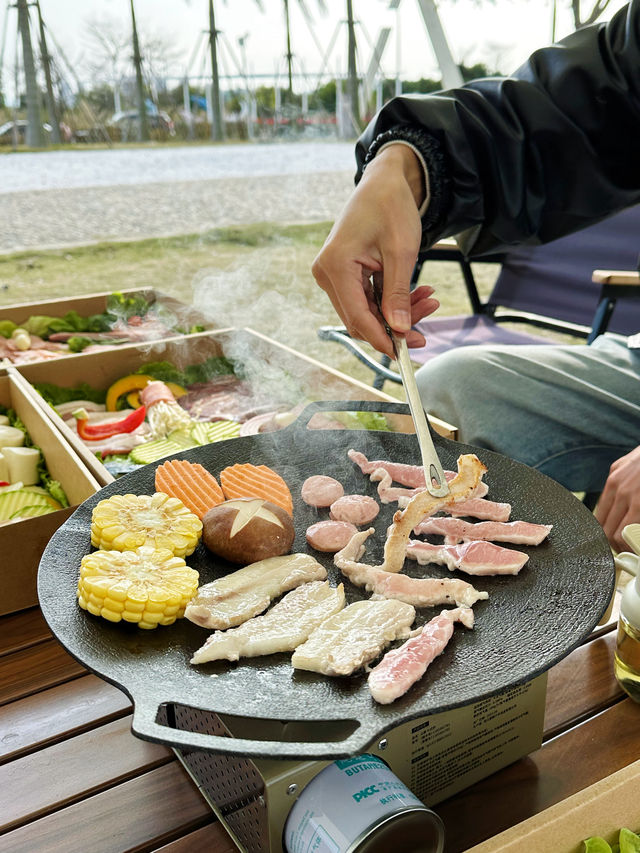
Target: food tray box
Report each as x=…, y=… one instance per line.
x=22, y=542
x=276, y=361
x=601, y=809
x=96, y=303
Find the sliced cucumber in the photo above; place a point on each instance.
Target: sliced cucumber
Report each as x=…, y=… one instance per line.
x=11, y=502
x=183, y=438
x=200, y=433
x=154, y=450
x=219, y=430
x=32, y=511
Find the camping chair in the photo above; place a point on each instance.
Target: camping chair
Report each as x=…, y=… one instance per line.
x=551, y=286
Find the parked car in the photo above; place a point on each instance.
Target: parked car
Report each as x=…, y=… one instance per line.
x=127, y=123
x=6, y=131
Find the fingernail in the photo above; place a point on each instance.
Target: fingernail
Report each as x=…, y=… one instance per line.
x=401, y=320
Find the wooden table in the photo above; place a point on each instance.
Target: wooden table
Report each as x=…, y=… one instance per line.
x=74, y=779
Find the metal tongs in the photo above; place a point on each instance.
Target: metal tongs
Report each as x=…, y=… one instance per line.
x=434, y=477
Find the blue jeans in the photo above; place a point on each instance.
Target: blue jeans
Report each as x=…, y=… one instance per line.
x=569, y=411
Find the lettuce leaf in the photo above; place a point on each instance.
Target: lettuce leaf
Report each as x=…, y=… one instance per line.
x=55, y=395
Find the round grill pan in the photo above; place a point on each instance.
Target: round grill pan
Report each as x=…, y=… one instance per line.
x=529, y=622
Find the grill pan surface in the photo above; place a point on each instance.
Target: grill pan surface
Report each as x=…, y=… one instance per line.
x=529, y=622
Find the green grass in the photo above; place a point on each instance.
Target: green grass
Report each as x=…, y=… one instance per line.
x=257, y=276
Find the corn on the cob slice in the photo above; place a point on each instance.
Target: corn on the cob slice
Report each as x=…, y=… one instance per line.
x=126, y=522
x=147, y=586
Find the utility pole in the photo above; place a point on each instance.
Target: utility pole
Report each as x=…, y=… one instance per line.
x=143, y=125
x=51, y=99
x=352, y=73
x=217, y=125
x=289, y=54
x=34, y=138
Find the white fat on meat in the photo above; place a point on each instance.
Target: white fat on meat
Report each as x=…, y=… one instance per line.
x=286, y=625
x=389, y=493
x=354, y=637
x=401, y=668
x=470, y=472
x=455, y=530
x=474, y=558
x=239, y=596
x=419, y=592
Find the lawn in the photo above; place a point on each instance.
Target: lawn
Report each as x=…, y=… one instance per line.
x=257, y=276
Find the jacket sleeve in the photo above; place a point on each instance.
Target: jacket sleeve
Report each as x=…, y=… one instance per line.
x=534, y=156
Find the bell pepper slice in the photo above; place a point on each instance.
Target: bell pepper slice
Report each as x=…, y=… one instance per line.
x=96, y=432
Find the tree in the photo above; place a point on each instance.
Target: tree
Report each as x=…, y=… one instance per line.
x=34, y=128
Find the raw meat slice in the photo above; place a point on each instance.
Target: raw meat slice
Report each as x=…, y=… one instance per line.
x=455, y=530
x=330, y=536
x=353, y=637
x=236, y=597
x=400, y=668
x=419, y=592
x=286, y=625
x=321, y=491
x=390, y=494
x=474, y=558
x=354, y=509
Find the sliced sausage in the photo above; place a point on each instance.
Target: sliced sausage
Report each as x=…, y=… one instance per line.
x=321, y=491
x=356, y=509
x=330, y=536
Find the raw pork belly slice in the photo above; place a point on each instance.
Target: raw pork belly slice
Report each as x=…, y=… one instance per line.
x=454, y=530
x=419, y=592
x=470, y=471
x=390, y=494
x=474, y=558
x=475, y=508
x=353, y=637
x=406, y=475
x=281, y=629
x=400, y=668
x=239, y=596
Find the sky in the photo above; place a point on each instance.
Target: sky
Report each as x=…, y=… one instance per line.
x=500, y=34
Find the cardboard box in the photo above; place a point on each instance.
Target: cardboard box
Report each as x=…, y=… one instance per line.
x=22, y=542
x=269, y=360
x=601, y=809
x=435, y=756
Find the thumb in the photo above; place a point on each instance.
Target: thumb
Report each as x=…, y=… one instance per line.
x=396, y=304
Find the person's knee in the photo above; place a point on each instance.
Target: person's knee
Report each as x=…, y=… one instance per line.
x=450, y=372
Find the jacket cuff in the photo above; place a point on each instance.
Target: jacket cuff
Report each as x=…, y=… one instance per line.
x=429, y=152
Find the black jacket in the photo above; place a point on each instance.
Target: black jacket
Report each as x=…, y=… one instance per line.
x=534, y=156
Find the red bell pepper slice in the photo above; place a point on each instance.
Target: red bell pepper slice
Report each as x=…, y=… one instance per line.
x=96, y=432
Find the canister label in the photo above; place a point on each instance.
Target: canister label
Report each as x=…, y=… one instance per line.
x=344, y=805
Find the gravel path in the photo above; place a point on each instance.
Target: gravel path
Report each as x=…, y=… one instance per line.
x=67, y=198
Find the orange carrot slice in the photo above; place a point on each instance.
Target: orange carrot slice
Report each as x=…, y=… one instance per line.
x=256, y=481
x=192, y=484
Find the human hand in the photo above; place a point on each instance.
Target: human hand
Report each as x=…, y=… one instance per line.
x=379, y=230
x=619, y=502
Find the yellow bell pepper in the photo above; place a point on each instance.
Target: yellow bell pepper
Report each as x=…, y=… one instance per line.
x=133, y=384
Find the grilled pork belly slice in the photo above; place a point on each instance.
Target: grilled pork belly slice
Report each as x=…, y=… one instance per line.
x=353, y=637
x=400, y=668
x=420, y=592
x=281, y=629
x=455, y=530
x=390, y=494
x=236, y=597
x=474, y=558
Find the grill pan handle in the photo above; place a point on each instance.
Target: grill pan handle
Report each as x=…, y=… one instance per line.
x=145, y=725
x=309, y=411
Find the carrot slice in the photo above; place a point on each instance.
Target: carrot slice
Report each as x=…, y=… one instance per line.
x=192, y=484
x=256, y=481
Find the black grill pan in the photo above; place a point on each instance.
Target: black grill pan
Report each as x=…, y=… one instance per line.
x=529, y=622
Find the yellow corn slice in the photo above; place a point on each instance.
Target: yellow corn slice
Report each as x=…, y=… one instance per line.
x=126, y=522
x=148, y=586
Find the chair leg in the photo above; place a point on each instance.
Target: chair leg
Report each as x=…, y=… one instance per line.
x=379, y=379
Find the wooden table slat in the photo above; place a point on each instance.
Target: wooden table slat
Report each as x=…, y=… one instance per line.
x=71, y=770
x=141, y=814
x=57, y=713
x=30, y=670
x=581, y=684
x=212, y=838
x=21, y=630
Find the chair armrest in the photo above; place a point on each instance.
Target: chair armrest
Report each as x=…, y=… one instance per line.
x=340, y=335
x=617, y=277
